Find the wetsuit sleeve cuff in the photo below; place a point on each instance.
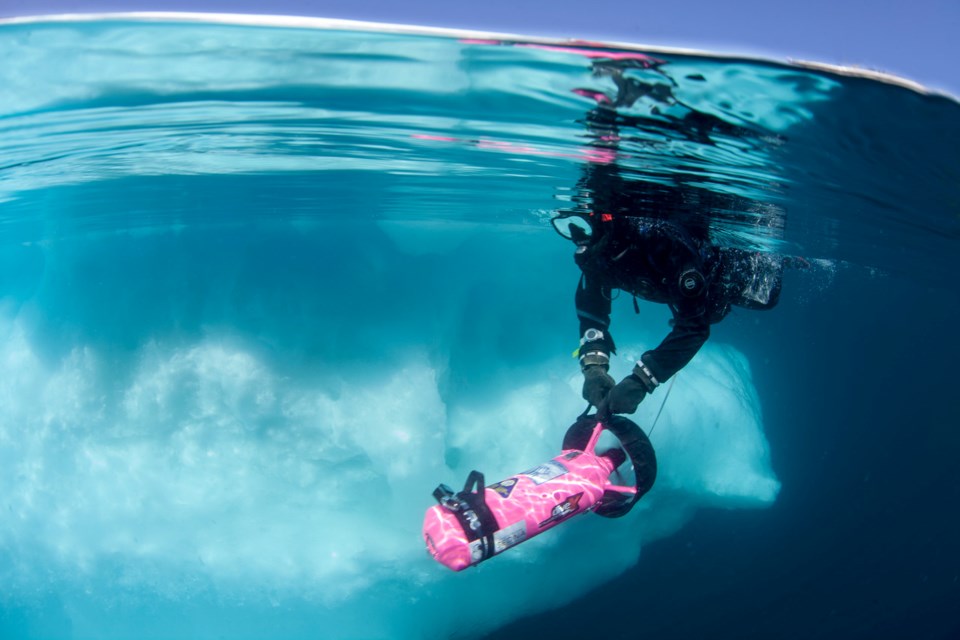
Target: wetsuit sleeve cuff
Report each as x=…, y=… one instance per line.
x=591, y=358
x=646, y=375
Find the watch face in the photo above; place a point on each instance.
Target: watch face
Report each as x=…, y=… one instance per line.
x=592, y=334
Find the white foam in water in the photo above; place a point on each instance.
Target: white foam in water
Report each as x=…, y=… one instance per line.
x=203, y=476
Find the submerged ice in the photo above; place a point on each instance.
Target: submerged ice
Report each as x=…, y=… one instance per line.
x=269, y=441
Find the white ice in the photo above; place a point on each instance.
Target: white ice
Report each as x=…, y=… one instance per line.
x=204, y=474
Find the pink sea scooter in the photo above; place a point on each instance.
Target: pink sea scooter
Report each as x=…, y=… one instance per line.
x=475, y=524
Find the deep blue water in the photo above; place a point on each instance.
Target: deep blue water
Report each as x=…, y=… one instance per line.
x=262, y=287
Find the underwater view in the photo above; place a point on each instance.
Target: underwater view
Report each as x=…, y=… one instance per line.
x=266, y=283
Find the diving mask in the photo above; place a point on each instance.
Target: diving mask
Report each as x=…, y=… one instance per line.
x=573, y=226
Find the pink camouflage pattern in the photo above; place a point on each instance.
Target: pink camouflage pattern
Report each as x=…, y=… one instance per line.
x=526, y=505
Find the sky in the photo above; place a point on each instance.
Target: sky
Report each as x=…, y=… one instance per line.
x=915, y=39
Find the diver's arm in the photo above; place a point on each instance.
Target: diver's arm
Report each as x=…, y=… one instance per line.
x=593, y=310
x=688, y=335
x=688, y=275
x=678, y=348
x=691, y=328
x=596, y=345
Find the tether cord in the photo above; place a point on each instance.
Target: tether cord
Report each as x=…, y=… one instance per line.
x=663, y=404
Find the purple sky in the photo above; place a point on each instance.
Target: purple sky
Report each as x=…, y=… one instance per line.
x=913, y=38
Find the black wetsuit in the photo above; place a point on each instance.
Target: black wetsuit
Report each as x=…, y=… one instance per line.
x=649, y=234
x=659, y=261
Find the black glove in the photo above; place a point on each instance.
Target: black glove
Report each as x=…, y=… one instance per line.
x=597, y=383
x=626, y=396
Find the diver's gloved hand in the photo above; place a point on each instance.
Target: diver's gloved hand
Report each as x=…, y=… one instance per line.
x=597, y=383
x=626, y=396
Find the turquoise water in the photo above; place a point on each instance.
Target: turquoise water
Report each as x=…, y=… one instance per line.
x=264, y=286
